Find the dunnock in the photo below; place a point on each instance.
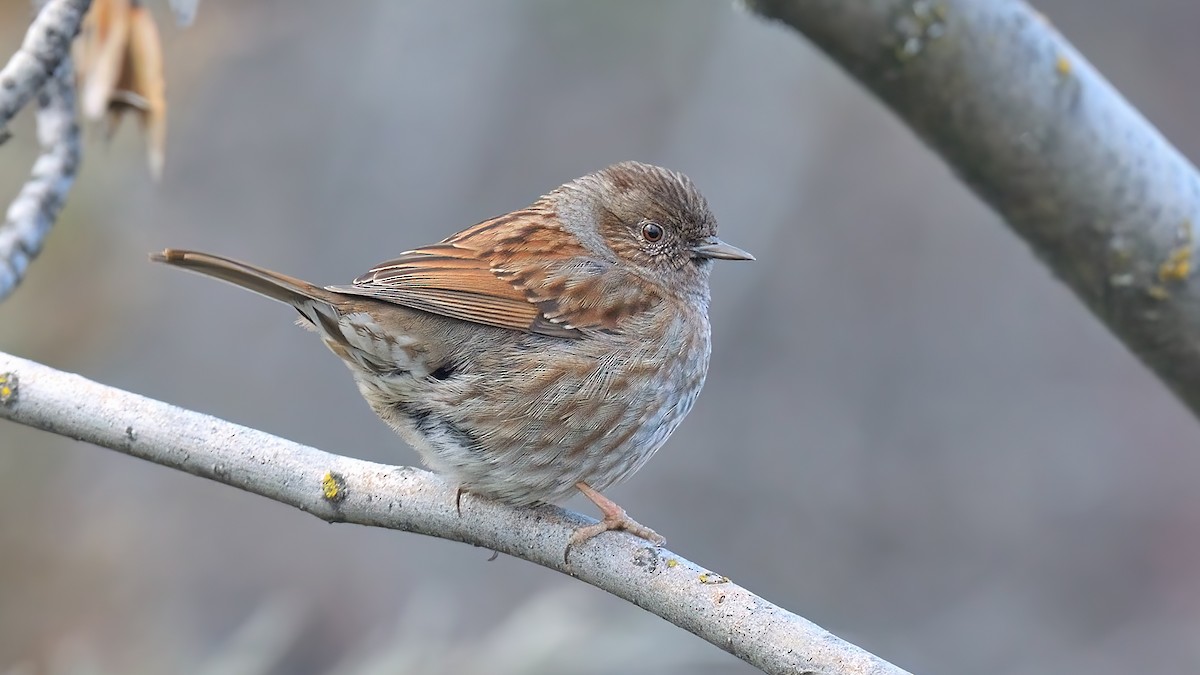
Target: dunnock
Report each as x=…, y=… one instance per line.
x=548, y=350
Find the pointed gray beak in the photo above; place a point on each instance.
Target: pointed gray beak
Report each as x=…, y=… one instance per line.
x=715, y=248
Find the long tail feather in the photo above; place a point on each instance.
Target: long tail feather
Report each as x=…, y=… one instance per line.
x=274, y=285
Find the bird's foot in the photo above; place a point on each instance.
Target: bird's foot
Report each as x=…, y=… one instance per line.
x=614, y=518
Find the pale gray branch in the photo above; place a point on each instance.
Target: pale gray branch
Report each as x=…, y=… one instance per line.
x=34, y=211
x=1097, y=192
x=43, y=66
x=47, y=43
x=342, y=489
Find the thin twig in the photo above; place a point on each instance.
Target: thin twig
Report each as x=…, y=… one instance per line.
x=1102, y=198
x=342, y=489
x=47, y=43
x=34, y=211
x=31, y=215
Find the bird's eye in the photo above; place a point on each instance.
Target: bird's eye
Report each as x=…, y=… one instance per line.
x=652, y=232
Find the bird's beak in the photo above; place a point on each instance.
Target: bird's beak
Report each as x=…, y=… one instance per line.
x=715, y=248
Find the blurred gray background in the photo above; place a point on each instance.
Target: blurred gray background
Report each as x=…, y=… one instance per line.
x=911, y=433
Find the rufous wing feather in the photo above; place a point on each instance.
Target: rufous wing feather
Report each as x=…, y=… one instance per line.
x=519, y=271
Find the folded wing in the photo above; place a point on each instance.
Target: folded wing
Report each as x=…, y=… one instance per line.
x=518, y=271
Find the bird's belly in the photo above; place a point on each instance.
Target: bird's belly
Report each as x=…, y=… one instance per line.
x=530, y=431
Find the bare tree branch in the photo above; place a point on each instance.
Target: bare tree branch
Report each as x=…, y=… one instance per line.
x=34, y=211
x=47, y=43
x=43, y=66
x=341, y=489
x=1097, y=192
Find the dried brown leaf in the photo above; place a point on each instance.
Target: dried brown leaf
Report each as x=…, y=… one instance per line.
x=121, y=70
x=142, y=81
x=100, y=54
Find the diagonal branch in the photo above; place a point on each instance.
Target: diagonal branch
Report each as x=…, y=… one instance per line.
x=1097, y=192
x=33, y=212
x=341, y=489
x=47, y=43
x=43, y=66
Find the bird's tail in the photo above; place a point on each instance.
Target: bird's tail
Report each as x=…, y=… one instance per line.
x=314, y=303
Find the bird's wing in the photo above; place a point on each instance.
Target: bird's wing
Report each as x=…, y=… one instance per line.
x=519, y=271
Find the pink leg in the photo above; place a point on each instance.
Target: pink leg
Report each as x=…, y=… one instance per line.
x=615, y=518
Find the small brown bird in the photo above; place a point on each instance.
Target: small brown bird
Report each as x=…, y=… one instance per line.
x=548, y=350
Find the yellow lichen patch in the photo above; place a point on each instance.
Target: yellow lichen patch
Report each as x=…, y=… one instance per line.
x=1178, y=265
x=672, y=563
x=713, y=578
x=333, y=486
x=1063, y=65
x=8, y=388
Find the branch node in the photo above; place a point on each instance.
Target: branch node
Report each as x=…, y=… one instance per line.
x=9, y=389
x=333, y=487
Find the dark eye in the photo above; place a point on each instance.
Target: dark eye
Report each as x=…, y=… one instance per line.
x=652, y=232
